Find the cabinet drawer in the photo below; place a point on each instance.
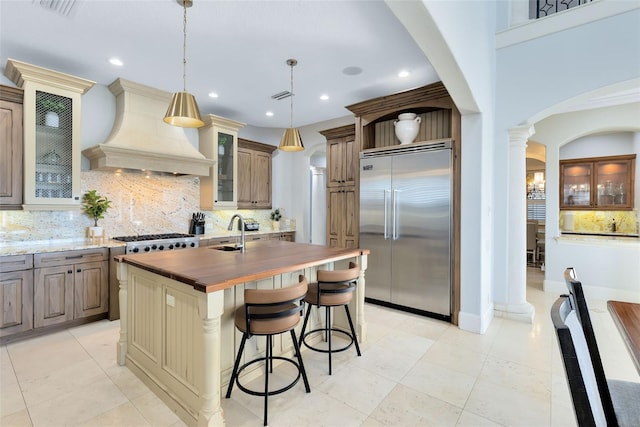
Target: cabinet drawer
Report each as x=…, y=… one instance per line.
x=231, y=240
x=51, y=259
x=16, y=263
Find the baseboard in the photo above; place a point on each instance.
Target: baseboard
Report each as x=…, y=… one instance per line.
x=474, y=323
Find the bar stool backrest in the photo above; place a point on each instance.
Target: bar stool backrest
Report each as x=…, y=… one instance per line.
x=272, y=311
x=335, y=287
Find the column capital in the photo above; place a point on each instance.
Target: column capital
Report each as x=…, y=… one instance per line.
x=518, y=135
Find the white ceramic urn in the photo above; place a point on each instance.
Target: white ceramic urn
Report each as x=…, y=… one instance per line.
x=407, y=127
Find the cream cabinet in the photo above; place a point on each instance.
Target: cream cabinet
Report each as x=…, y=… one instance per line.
x=11, y=148
x=218, y=140
x=70, y=285
x=52, y=106
x=254, y=179
x=16, y=294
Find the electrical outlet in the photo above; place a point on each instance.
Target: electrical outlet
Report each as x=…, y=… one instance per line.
x=171, y=300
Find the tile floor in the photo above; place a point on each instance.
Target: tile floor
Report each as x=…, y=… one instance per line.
x=413, y=371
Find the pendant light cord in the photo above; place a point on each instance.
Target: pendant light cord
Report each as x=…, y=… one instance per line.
x=184, y=47
x=291, y=95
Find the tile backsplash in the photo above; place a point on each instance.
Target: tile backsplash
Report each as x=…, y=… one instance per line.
x=599, y=221
x=140, y=205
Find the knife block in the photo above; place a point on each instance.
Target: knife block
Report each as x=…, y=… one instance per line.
x=196, y=227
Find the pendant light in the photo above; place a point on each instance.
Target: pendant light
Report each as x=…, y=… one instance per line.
x=291, y=140
x=183, y=110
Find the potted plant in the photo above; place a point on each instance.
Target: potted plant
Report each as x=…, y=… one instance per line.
x=95, y=206
x=275, y=219
x=51, y=109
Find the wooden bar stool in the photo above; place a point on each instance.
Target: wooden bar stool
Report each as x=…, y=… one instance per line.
x=333, y=289
x=269, y=312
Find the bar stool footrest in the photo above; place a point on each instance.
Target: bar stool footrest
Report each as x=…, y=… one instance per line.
x=266, y=364
x=333, y=350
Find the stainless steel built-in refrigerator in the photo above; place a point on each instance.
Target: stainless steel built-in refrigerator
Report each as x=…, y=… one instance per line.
x=405, y=221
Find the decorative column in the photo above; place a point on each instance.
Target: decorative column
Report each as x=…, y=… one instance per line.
x=210, y=309
x=516, y=306
x=121, y=274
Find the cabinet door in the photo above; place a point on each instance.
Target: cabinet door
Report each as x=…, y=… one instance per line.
x=614, y=184
x=575, y=185
x=350, y=161
x=261, y=180
x=11, y=159
x=16, y=302
x=335, y=201
x=244, y=178
x=350, y=214
x=91, y=288
x=53, y=296
x=335, y=163
x=288, y=236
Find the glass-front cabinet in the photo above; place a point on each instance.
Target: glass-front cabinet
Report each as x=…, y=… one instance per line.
x=218, y=140
x=51, y=135
x=598, y=183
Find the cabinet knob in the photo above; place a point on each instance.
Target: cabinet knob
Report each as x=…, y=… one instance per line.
x=69, y=271
x=78, y=270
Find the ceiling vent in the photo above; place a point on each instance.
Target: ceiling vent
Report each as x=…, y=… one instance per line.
x=61, y=7
x=282, y=95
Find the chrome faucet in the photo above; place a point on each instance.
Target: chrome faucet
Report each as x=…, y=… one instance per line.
x=241, y=220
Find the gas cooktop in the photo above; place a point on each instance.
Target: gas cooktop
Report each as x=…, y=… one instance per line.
x=145, y=237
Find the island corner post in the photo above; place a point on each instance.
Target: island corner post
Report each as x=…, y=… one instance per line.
x=176, y=328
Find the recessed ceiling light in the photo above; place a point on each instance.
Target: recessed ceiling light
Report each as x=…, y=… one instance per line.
x=213, y=94
x=269, y=113
x=324, y=97
x=115, y=61
x=403, y=73
x=352, y=71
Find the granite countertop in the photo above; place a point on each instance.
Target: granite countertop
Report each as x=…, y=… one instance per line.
x=55, y=245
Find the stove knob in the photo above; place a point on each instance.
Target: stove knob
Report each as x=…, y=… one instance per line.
x=147, y=248
x=193, y=245
x=135, y=250
x=161, y=247
x=184, y=245
x=154, y=247
x=171, y=246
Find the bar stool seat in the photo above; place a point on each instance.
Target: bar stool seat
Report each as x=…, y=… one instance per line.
x=270, y=312
x=333, y=289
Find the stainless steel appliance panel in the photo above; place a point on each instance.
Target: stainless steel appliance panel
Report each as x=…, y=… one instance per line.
x=421, y=235
x=375, y=224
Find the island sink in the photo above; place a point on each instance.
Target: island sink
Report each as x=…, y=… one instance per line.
x=226, y=248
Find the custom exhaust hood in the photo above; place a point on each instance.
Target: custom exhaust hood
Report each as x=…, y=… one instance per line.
x=141, y=140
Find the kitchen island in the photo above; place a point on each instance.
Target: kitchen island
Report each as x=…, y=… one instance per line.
x=177, y=332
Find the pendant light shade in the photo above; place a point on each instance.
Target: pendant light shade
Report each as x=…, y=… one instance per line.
x=291, y=140
x=183, y=110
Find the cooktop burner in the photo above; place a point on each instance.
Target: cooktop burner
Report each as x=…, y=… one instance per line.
x=146, y=237
x=158, y=242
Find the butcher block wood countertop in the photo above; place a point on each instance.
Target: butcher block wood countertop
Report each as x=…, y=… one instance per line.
x=209, y=270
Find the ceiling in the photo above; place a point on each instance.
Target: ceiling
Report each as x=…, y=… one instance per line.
x=237, y=49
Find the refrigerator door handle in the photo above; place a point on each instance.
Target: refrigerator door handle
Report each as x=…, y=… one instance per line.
x=394, y=217
x=386, y=209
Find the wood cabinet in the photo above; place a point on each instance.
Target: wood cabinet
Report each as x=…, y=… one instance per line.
x=342, y=217
x=343, y=196
x=70, y=285
x=597, y=183
x=342, y=156
x=254, y=174
x=11, y=148
x=218, y=140
x=285, y=236
x=51, y=124
x=16, y=294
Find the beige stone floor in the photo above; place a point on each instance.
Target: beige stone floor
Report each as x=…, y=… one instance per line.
x=413, y=371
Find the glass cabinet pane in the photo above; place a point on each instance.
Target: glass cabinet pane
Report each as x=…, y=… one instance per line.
x=54, y=146
x=225, y=167
x=611, y=182
x=576, y=187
